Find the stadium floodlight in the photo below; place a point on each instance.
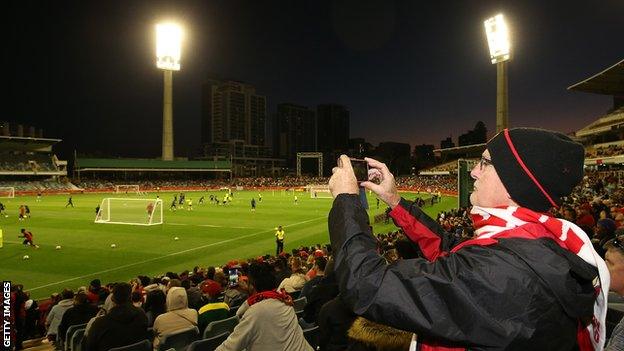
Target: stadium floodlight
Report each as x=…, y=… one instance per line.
x=168, y=46
x=498, y=38
x=497, y=33
x=168, y=52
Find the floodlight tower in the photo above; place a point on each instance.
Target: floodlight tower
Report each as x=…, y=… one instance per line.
x=500, y=52
x=168, y=50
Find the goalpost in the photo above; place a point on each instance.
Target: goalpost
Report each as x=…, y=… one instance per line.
x=130, y=211
x=7, y=192
x=319, y=191
x=127, y=188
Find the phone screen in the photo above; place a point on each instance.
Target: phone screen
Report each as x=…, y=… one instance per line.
x=360, y=168
x=233, y=277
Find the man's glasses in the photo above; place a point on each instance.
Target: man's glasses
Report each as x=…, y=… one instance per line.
x=484, y=162
x=618, y=242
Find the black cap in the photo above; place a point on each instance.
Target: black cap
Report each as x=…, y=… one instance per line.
x=537, y=166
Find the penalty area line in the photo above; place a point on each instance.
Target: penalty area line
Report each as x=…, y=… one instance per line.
x=170, y=255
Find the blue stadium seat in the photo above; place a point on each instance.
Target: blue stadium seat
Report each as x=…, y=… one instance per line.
x=312, y=336
x=144, y=345
x=77, y=340
x=217, y=327
x=179, y=340
x=68, y=335
x=299, y=304
x=208, y=344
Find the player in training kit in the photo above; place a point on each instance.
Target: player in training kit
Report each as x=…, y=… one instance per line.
x=28, y=238
x=296, y=200
x=39, y=196
x=174, y=203
x=2, y=208
x=70, y=202
x=189, y=204
x=201, y=200
x=259, y=197
x=149, y=209
x=21, y=213
x=27, y=211
x=253, y=204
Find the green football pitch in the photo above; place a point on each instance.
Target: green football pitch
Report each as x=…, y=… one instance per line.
x=207, y=235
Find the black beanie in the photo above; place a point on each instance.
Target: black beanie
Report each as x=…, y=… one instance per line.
x=537, y=166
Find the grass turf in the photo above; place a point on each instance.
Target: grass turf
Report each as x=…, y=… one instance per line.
x=208, y=235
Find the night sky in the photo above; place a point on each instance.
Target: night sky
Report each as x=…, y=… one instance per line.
x=409, y=71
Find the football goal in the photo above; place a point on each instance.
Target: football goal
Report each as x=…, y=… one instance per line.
x=127, y=189
x=7, y=192
x=130, y=211
x=319, y=191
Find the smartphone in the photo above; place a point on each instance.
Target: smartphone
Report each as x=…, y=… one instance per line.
x=360, y=168
x=233, y=277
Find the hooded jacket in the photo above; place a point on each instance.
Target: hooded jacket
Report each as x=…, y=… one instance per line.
x=177, y=317
x=56, y=315
x=122, y=325
x=517, y=294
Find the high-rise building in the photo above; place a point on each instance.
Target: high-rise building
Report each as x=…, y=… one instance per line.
x=447, y=143
x=233, y=111
x=294, y=131
x=332, y=127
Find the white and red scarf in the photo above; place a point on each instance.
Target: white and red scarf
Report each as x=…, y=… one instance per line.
x=493, y=223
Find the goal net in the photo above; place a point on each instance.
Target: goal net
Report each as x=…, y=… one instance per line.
x=130, y=211
x=7, y=192
x=127, y=189
x=319, y=192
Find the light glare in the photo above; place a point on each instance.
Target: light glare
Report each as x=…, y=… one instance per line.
x=168, y=46
x=498, y=38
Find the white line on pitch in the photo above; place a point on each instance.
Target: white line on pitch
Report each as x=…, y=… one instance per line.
x=169, y=255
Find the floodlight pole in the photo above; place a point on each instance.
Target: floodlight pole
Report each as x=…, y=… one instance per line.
x=167, y=136
x=502, y=105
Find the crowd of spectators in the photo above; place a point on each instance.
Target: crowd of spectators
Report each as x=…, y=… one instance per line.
x=416, y=183
x=606, y=151
x=26, y=162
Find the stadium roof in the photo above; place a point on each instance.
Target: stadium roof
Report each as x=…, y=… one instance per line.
x=14, y=143
x=134, y=164
x=461, y=150
x=608, y=82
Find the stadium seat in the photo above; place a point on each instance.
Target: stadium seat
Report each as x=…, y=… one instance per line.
x=69, y=333
x=179, y=340
x=77, y=339
x=217, y=327
x=312, y=335
x=299, y=304
x=233, y=310
x=144, y=345
x=208, y=344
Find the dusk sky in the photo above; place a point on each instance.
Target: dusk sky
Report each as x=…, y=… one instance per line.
x=408, y=71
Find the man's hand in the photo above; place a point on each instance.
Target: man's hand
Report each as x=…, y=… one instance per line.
x=386, y=190
x=343, y=179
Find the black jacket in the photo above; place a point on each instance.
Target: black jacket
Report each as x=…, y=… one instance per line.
x=518, y=294
x=122, y=325
x=79, y=314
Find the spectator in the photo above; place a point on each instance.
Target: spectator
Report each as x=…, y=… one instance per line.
x=615, y=263
x=80, y=313
x=56, y=313
x=96, y=292
x=297, y=278
x=268, y=320
x=155, y=305
x=525, y=281
x=122, y=325
x=213, y=310
x=178, y=315
x=319, y=267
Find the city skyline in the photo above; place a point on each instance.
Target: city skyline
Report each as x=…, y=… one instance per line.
x=407, y=72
